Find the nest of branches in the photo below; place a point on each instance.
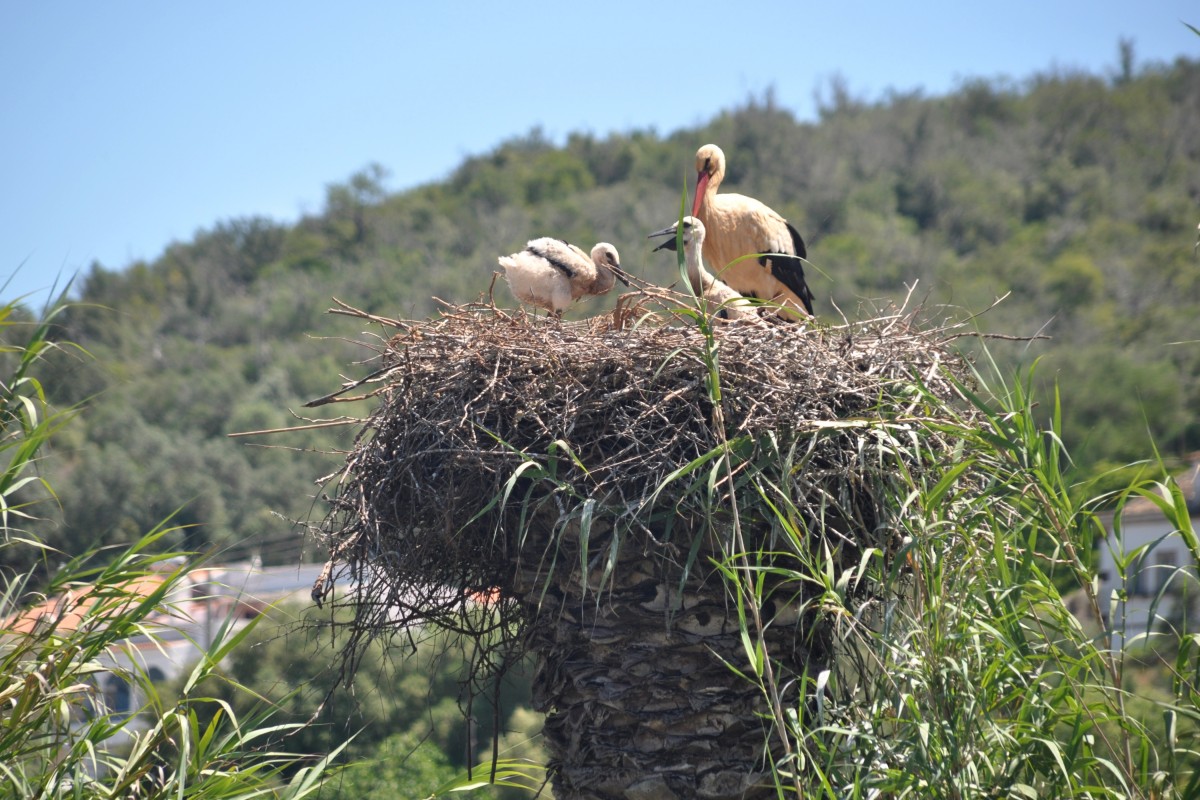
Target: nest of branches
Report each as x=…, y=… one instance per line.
x=506, y=447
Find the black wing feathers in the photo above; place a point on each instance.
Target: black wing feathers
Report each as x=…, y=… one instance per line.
x=553, y=260
x=789, y=270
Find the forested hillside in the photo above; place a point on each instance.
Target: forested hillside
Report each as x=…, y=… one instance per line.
x=1077, y=195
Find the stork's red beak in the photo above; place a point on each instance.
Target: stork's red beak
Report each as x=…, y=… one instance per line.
x=701, y=188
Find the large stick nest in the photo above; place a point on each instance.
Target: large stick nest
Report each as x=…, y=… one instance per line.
x=496, y=434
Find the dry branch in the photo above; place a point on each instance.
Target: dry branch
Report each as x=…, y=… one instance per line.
x=554, y=467
x=479, y=405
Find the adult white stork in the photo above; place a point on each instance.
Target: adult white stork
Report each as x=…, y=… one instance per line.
x=552, y=274
x=739, y=226
x=729, y=303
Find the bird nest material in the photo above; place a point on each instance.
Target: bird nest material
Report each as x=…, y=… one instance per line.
x=572, y=489
x=499, y=436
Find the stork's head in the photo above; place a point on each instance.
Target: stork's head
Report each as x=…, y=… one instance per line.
x=710, y=170
x=693, y=234
x=605, y=255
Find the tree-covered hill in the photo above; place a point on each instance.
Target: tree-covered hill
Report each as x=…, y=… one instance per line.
x=1076, y=195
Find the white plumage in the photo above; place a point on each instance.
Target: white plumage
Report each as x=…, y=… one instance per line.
x=739, y=226
x=728, y=302
x=552, y=274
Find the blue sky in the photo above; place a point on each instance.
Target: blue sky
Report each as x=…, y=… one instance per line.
x=130, y=124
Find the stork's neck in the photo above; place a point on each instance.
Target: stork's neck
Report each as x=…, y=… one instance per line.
x=699, y=277
x=605, y=279
x=713, y=212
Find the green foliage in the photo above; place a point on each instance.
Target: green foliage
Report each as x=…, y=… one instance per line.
x=970, y=675
x=27, y=421
x=61, y=628
x=1068, y=191
x=403, y=765
x=406, y=710
x=409, y=765
x=59, y=736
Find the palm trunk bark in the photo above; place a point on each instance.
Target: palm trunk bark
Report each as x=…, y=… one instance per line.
x=635, y=679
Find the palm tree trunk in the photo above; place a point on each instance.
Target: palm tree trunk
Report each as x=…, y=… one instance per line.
x=635, y=680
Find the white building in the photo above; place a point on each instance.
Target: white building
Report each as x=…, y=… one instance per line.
x=1158, y=584
x=208, y=598
x=187, y=623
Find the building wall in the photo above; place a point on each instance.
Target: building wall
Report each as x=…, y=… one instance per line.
x=206, y=600
x=1147, y=596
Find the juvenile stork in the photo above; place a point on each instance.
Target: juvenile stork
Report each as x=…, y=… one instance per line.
x=739, y=226
x=552, y=274
x=731, y=304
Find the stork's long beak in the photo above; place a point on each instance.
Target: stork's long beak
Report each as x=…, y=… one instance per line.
x=701, y=188
x=669, y=244
x=620, y=274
